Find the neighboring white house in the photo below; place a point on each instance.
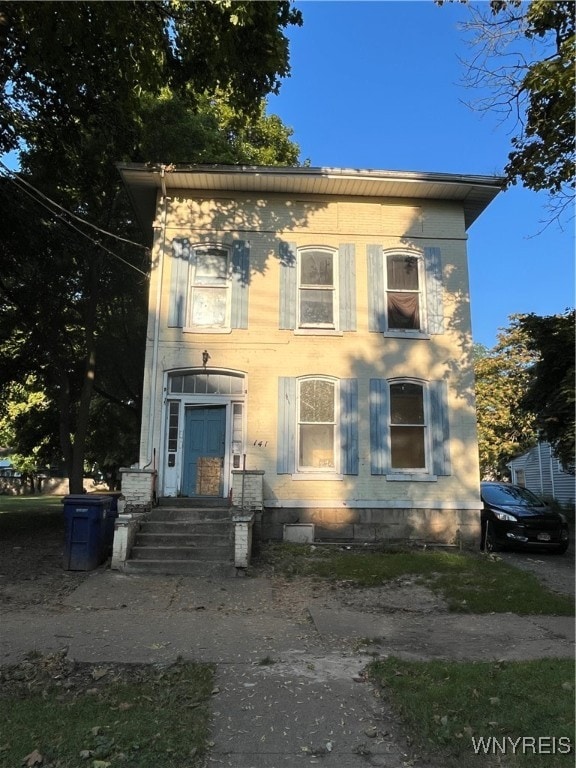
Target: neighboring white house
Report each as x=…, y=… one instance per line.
x=542, y=473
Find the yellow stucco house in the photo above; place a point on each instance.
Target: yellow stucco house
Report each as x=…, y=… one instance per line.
x=312, y=326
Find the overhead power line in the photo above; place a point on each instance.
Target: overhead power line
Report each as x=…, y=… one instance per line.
x=40, y=198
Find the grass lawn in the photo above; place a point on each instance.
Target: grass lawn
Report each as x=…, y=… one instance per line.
x=30, y=504
x=19, y=513
x=60, y=715
x=449, y=706
x=469, y=582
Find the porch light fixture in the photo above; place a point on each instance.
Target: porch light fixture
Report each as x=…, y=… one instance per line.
x=205, y=358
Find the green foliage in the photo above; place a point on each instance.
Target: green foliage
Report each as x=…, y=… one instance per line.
x=27, y=426
x=446, y=704
x=523, y=68
x=525, y=391
x=550, y=392
x=505, y=429
x=212, y=132
x=67, y=68
x=84, y=86
x=543, y=154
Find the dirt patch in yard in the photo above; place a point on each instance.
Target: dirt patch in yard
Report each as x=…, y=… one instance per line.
x=31, y=572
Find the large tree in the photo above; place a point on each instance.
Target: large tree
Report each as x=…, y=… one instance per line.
x=86, y=85
x=550, y=393
x=504, y=428
x=525, y=391
x=64, y=65
x=522, y=67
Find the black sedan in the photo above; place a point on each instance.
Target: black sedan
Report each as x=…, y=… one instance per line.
x=514, y=517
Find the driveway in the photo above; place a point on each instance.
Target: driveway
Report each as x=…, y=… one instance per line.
x=555, y=571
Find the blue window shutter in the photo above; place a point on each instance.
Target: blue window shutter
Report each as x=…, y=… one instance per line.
x=286, y=455
x=288, y=287
x=347, y=280
x=182, y=255
x=379, y=426
x=349, y=426
x=440, y=428
x=240, y=284
x=434, y=290
x=376, y=293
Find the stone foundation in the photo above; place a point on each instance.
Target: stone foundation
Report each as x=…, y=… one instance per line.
x=440, y=526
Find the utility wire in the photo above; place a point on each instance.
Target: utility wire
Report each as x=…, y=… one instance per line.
x=62, y=218
x=66, y=211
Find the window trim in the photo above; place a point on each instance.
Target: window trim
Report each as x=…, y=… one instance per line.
x=319, y=472
x=226, y=327
x=334, y=326
x=422, y=331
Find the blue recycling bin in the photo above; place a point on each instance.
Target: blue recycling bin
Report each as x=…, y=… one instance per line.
x=85, y=518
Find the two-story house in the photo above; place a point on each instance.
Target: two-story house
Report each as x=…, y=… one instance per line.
x=313, y=326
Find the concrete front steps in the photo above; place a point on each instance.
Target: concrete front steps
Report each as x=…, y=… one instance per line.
x=191, y=537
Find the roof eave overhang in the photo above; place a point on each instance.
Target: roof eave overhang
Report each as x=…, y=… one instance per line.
x=145, y=181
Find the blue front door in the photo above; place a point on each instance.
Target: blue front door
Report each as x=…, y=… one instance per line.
x=204, y=441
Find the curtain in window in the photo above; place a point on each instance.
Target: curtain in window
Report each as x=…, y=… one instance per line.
x=403, y=310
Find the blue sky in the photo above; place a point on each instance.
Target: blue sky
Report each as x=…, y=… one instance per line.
x=377, y=85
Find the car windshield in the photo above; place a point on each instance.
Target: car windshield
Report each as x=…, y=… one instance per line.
x=510, y=494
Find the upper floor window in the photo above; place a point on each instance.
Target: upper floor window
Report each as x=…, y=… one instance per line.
x=209, y=303
x=403, y=293
x=209, y=286
x=317, y=289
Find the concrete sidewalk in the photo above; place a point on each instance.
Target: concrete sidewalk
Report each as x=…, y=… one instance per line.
x=289, y=692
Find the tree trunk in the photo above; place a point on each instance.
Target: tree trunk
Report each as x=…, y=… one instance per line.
x=83, y=417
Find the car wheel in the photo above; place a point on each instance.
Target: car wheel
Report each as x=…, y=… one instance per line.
x=489, y=540
x=562, y=549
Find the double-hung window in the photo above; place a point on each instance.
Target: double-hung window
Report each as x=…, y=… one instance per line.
x=209, y=286
x=317, y=289
x=403, y=293
x=317, y=425
x=209, y=302
x=407, y=427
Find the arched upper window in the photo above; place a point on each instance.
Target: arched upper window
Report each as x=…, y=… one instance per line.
x=316, y=288
x=208, y=286
x=405, y=291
